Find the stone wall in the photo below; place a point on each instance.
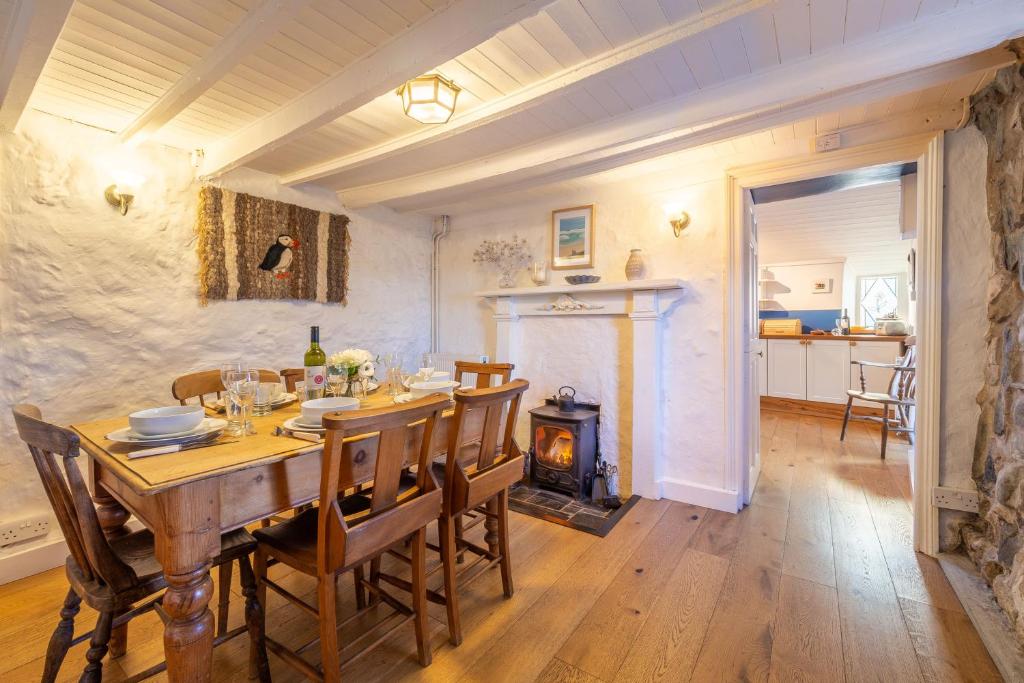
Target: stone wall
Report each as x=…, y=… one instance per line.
x=994, y=538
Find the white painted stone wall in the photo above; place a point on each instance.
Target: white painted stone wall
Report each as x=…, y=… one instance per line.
x=594, y=353
x=99, y=312
x=967, y=263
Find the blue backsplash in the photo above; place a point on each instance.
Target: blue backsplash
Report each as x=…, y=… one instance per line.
x=809, y=320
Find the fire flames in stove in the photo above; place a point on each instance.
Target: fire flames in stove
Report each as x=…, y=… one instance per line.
x=554, y=448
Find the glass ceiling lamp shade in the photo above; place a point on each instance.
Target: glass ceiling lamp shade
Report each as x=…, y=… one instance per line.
x=429, y=99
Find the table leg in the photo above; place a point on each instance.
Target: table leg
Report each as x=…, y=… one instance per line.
x=112, y=517
x=187, y=540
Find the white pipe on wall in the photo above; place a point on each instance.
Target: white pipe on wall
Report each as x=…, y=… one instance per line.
x=441, y=226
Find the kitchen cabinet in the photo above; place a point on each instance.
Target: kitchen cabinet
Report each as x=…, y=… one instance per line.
x=877, y=379
x=787, y=368
x=828, y=375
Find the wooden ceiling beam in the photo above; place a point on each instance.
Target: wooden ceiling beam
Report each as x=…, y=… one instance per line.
x=260, y=24
x=32, y=32
x=437, y=38
x=888, y=64
x=532, y=95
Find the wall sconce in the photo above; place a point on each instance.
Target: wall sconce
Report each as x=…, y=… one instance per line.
x=678, y=220
x=122, y=192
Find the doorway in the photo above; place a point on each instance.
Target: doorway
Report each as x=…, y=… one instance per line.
x=744, y=350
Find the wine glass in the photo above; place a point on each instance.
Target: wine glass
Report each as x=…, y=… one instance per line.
x=336, y=381
x=228, y=367
x=230, y=408
x=242, y=386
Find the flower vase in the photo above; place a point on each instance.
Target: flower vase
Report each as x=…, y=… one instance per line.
x=636, y=269
x=507, y=278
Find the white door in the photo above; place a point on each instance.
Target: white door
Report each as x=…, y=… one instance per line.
x=754, y=355
x=828, y=375
x=762, y=365
x=787, y=368
x=877, y=379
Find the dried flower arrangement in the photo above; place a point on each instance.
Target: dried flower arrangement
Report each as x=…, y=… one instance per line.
x=508, y=256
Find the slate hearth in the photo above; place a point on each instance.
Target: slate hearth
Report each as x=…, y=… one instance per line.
x=565, y=510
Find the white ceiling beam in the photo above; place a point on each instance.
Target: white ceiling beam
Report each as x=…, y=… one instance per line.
x=32, y=32
x=882, y=63
x=531, y=96
x=439, y=37
x=260, y=24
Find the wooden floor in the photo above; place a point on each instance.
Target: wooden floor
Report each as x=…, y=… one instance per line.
x=815, y=581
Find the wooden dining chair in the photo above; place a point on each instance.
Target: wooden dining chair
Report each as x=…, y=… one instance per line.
x=897, y=403
x=342, y=534
x=117, y=577
x=484, y=372
x=206, y=382
x=291, y=377
x=476, y=480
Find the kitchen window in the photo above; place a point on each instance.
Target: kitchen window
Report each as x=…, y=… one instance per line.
x=879, y=296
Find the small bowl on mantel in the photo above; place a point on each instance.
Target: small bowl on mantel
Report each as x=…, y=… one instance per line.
x=582, y=279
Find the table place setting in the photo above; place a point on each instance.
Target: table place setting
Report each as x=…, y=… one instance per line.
x=166, y=426
x=423, y=383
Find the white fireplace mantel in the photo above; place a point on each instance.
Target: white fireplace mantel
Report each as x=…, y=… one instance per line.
x=640, y=300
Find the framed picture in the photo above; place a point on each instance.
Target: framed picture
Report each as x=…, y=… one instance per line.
x=822, y=286
x=572, y=238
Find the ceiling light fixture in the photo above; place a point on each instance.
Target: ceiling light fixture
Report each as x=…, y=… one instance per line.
x=429, y=99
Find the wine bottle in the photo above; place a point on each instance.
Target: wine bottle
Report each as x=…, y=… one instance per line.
x=315, y=362
x=844, y=323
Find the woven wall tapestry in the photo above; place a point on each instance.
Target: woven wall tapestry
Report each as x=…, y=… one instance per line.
x=255, y=248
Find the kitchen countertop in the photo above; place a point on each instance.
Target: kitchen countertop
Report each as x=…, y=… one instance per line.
x=842, y=337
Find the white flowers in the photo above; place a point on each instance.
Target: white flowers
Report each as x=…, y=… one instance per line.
x=351, y=358
x=366, y=370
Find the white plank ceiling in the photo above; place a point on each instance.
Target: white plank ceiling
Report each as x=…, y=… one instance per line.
x=604, y=72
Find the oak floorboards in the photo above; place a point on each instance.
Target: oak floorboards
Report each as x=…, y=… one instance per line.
x=815, y=581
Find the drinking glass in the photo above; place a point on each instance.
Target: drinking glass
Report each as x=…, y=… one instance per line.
x=336, y=381
x=265, y=394
x=230, y=407
x=242, y=387
x=390, y=361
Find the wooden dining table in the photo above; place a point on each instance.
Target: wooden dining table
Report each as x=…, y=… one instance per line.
x=188, y=499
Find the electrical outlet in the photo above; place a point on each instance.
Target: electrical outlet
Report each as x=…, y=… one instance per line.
x=955, y=499
x=24, y=528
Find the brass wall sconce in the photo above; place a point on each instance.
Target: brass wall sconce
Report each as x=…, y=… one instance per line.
x=119, y=198
x=679, y=220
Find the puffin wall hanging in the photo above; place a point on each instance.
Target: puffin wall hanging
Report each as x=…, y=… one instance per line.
x=255, y=248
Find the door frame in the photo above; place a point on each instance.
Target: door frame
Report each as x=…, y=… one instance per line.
x=927, y=151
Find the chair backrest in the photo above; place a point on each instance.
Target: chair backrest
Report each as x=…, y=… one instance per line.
x=70, y=498
x=291, y=377
x=484, y=411
x=206, y=382
x=903, y=385
x=393, y=438
x=484, y=372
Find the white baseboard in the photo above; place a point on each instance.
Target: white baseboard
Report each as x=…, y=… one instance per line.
x=699, y=494
x=33, y=559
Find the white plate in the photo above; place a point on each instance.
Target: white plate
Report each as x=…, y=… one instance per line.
x=294, y=424
x=403, y=398
x=208, y=426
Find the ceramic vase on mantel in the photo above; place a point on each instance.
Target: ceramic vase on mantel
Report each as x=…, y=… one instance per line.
x=636, y=268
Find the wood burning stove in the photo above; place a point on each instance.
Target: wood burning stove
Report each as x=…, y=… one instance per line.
x=564, y=447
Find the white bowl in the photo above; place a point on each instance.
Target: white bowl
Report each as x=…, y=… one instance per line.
x=421, y=389
x=313, y=411
x=166, y=420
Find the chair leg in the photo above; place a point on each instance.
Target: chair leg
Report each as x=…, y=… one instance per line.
x=255, y=620
x=885, y=431
x=846, y=418
x=223, y=597
x=374, y=579
x=458, y=534
x=503, y=544
x=357, y=578
x=326, y=601
x=419, y=596
x=119, y=641
x=60, y=641
x=259, y=563
x=93, y=672
x=446, y=534
x=491, y=526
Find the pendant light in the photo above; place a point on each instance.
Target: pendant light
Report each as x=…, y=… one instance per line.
x=429, y=99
